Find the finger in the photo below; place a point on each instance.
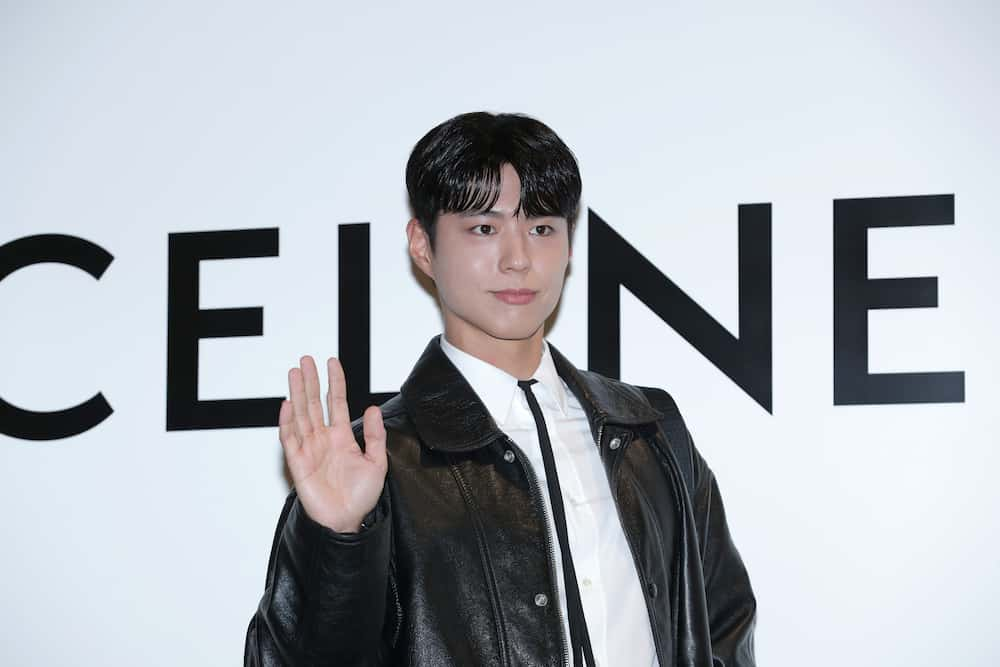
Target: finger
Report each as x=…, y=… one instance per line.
x=374, y=430
x=286, y=430
x=336, y=398
x=297, y=390
x=314, y=407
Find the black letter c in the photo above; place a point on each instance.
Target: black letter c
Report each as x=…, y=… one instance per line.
x=92, y=258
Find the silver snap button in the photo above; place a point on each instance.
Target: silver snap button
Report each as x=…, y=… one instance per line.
x=508, y=456
x=541, y=600
x=615, y=443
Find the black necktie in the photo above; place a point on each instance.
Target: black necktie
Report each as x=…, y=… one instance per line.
x=579, y=637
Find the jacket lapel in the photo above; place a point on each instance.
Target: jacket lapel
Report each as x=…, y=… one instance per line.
x=449, y=416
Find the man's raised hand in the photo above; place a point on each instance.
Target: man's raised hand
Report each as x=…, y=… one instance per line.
x=336, y=482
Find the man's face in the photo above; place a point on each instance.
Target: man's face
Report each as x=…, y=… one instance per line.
x=498, y=276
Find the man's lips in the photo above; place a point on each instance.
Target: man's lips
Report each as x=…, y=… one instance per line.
x=515, y=296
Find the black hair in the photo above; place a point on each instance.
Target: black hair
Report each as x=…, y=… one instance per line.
x=456, y=167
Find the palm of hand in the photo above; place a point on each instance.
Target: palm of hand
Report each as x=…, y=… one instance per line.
x=337, y=482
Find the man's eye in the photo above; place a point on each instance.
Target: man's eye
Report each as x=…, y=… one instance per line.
x=482, y=230
x=543, y=230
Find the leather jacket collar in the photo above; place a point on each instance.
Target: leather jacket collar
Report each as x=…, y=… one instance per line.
x=449, y=416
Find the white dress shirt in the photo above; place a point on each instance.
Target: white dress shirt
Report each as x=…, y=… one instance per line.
x=612, y=596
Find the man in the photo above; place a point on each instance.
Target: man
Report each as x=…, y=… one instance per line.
x=505, y=508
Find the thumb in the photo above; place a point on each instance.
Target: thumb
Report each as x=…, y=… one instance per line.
x=374, y=431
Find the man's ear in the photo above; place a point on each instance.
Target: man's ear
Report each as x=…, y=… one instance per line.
x=420, y=247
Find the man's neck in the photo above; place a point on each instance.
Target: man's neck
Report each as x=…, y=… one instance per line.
x=519, y=358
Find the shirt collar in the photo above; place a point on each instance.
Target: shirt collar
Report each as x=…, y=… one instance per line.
x=449, y=417
x=497, y=388
x=548, y=377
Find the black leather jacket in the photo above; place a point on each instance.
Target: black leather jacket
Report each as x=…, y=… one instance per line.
x=447, y=567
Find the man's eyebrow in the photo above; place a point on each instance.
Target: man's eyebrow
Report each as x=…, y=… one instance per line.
x=480, y=214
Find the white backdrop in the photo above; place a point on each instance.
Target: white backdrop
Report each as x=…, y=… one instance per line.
x=869, y=531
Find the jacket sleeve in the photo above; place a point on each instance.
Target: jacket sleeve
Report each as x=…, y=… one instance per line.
x=732, y=608
x=325, y=598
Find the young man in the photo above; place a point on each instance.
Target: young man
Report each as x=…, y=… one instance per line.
x=505, y=508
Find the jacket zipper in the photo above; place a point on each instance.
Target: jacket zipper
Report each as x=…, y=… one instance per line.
x=398, y=607
x=537, y=499
x=487, y=563
x=628, y=538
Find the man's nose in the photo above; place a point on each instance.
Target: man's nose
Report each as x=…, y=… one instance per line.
x=514, y=253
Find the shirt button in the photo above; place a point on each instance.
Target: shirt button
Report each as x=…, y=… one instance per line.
x=587, y=582
x=615, y=443
x=508, y=456
x=541, y=600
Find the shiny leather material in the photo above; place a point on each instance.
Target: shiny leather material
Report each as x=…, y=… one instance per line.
x=449, y=569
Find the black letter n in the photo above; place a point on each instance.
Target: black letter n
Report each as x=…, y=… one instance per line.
x=614, y=263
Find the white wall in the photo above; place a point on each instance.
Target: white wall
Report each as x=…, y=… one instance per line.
x=869, y=531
